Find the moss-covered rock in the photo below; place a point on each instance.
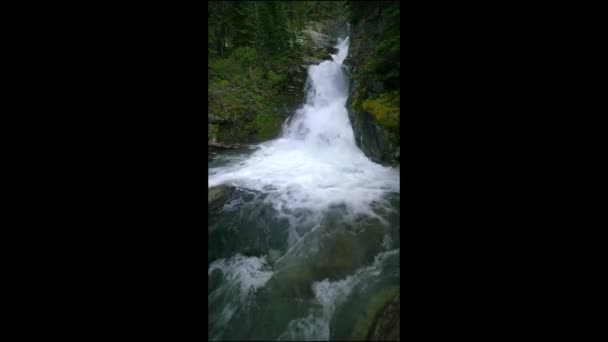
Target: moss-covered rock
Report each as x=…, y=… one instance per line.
x=374, y=98
x=357, y=320
x=218, y=194
x=266, y=125
x=385, y=109
x=363, y=327
x=248, y=94
x=387, y=324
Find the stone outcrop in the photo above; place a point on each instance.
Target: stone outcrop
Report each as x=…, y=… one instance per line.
x=374, y=103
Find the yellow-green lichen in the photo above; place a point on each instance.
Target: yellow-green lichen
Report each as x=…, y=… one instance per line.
x=385, y=109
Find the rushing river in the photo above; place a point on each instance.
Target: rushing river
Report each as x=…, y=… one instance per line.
x=304, y=243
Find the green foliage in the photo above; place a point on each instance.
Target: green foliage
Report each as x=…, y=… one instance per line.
x=376, y=86
x=244, y=24
x=357, y=102
x=244, y=55
x=276, y=80
x=221, y=68
x=212, y=131
x=267, y=125
x=253, y=57
x=382, y=63
x=361, y=9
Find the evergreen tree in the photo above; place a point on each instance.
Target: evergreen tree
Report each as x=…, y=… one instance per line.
x=243, y=23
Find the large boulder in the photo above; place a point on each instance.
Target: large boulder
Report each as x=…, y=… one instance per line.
x=217, y=195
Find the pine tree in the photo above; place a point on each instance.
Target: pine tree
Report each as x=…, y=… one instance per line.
x=243, y=23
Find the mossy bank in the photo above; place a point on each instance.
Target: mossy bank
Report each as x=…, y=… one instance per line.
x=259, y=53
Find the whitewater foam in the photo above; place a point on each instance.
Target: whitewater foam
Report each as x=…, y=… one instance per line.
x=331, y=294
x=241, y=278
x=247, y=273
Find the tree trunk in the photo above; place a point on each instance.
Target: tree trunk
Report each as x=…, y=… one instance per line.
x=220, y=47
x=222, y=40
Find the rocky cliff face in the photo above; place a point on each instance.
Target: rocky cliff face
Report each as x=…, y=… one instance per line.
x=374, y=96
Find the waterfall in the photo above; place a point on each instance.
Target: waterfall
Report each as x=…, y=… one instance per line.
x=315, y=164
x=323, y=121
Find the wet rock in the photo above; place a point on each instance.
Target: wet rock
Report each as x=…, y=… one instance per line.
x=244, y=223
x=214, y=280
x=287, y=110
x=223, y=145
x=347, y=70
x=267, y=324
x=396, y=154
x=252, y=251
x=375, y=140
x=326, y=253
x=369, y=137
x=217, y=120
x=359, y=320
x=386, y=327
x=315, y=38
x=377, y=86
x=273, y=255
x=309, y=61
x=339, y=255
x=218, y=194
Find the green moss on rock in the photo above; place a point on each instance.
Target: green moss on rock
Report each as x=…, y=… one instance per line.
x=267, y=125
x=384, y=109
x=365, y=322
x=356, y=106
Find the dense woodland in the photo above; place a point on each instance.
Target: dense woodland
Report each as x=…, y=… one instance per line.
x=258, y=52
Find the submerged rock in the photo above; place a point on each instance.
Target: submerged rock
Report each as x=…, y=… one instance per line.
x=240, y=221
x=387, y=326
x=368, y=317
x=333, y=251
x=218, y=193
x=273, y=255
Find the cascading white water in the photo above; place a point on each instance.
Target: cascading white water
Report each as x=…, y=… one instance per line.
x=315, y=164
